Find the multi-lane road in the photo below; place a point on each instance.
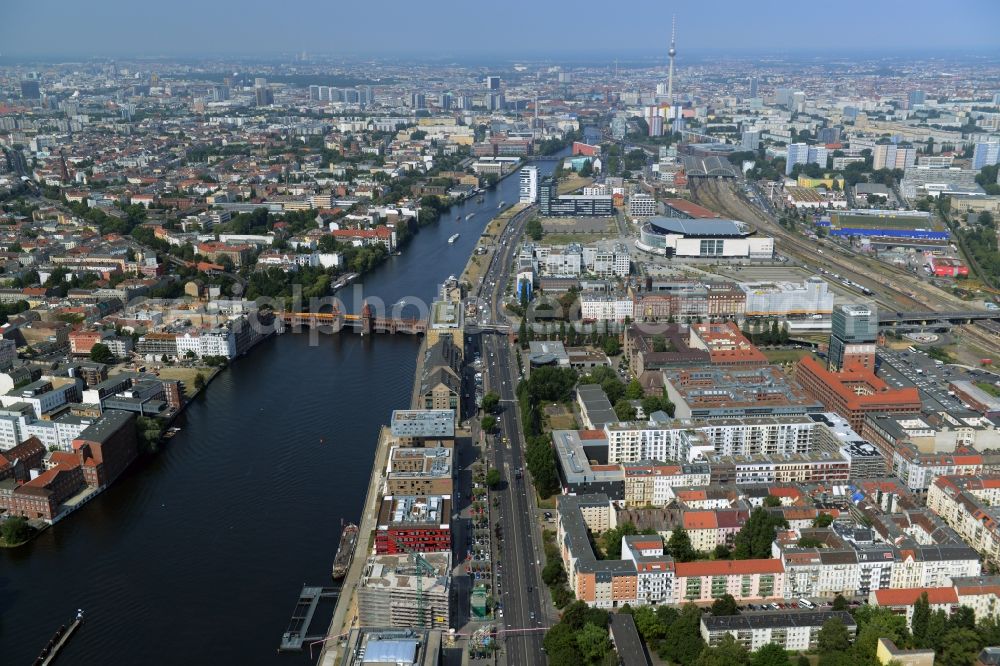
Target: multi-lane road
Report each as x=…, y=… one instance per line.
x=518, y=548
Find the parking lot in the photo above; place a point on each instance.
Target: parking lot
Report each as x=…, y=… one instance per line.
x=914, y=368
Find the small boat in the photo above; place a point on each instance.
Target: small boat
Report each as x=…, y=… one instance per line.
x=345, y=551
x=501, y=204
x=454, y=238
x=458, y=217
x=469, y=216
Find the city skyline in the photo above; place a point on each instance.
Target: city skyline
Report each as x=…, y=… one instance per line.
x=122, y=29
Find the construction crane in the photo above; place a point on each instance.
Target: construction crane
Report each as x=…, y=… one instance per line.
x=423, y=567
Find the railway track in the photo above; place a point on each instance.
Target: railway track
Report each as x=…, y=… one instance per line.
x=883, y=280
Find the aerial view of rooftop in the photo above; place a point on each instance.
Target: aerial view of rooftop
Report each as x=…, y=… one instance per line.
x=463, y=334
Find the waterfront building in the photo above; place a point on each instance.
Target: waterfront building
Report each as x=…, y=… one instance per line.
x=553, y=204
x=420, y=523
x=528, y=190
x=397, y=591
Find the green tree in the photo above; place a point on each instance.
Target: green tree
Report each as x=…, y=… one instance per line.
x=772, y=501
x=624, y=410
x=728, y=652
x=686, y=642
x=491, y=402
x=199, y=381
x=488, y=423
x=833, y=637
x=877, y=622
x=921, y=619
x=560, y=645
x=634, y=390
x=960, y=647
x=680, y=546
x=754, y=539
x=611, y=540
x=611, y=346
x=15, y=530
x=101, y=353
x=839, y=603
x=534, y=229
x=823, y=520
x=937, y=626
x=593, y=643
x=964, y=618
x=771, y=654
x=725, y=605
x=493, y=478
x=650, y=404
x=648, y=623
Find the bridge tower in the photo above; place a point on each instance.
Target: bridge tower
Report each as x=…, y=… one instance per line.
x=367, y=319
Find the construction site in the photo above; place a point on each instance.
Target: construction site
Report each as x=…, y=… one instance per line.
x=406, y=590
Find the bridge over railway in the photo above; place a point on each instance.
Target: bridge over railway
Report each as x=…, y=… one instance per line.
x=365, y=323
x=922, y=318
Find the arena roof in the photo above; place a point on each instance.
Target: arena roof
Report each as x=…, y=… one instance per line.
x=709, y=166
x=699, y=227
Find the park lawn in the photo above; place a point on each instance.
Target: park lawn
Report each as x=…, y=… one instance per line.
x=186, y=375
x=573, y=182
x=583, y=237
x=564, y=421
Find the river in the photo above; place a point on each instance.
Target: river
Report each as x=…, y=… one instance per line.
x=198, y=553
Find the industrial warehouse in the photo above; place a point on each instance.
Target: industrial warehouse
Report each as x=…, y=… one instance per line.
x=884, y=228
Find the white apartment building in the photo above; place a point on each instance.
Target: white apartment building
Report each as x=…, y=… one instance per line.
x=631, y=442
x=784, y=299
x=528, y=190
x=777, y=435
x=642, y=205
x=601, y=307
x=967, y=505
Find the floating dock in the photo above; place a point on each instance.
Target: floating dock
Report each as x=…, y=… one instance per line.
x=297, y=633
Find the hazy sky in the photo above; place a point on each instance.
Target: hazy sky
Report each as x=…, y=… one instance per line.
x=445, y=27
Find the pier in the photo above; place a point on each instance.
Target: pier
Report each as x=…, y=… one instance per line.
x=365, y=323
x=298, y=627
x=59, y=641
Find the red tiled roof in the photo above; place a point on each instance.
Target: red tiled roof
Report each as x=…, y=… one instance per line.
x=909, y=596
x=700, y=520
x=726, y=567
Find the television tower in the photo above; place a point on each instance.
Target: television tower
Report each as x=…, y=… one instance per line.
x=672, y=52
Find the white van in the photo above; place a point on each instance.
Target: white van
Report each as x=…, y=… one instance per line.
x=805, y=603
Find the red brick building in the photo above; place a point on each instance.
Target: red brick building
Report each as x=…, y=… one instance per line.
x=15, y=462
x=585, y=149
x=173, y=392
x=107, y=447
x=40, y=498
x=855, y=393
x=417, y=522
x=81, y=342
